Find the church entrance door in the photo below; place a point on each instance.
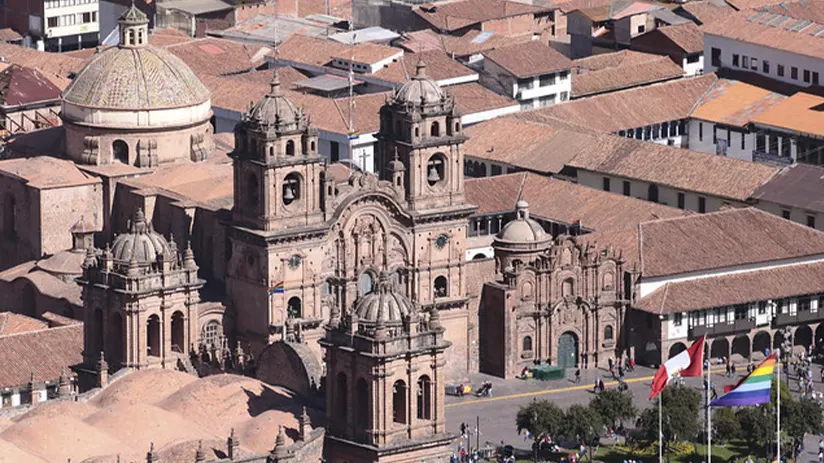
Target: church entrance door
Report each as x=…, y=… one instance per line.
x=568, y=350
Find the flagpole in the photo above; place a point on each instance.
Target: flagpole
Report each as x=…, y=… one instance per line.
x=660, y=431
x=709, y=414
x=778, y=408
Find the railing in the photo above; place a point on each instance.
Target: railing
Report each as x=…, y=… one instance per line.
x=722, y=328
x=802, y=316
x=761, y=156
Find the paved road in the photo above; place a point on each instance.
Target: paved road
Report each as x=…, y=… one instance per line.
x=497, y=414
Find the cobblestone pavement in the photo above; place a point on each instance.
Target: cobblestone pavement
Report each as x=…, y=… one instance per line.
x=496, y=414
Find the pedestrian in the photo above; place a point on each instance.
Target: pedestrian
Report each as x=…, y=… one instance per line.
x=578, y=375
x=602, y=385
x=620, y=371
x=610, y=362
x=732, y=369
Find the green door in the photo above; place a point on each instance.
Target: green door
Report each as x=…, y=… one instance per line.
x=568, y=350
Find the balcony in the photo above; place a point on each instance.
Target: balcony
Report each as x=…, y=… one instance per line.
x=802, y=316
x=720, y=329
x=761, y=156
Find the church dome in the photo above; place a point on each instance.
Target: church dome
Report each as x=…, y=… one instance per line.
x=275, y=109
x=383, y=304
x=420, y=89
x=135, y=76
x=141, y=243
x=523, y=228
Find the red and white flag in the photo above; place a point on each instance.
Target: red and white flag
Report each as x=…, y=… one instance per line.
x=687, y=363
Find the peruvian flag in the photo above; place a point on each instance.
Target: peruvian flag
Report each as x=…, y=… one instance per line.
x=687, y=363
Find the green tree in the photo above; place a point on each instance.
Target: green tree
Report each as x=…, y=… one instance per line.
x=583, y=425
x=757, y=426
x=613, y=406
x=540, y=417
x=799, y=417
x=680, y=416
x=726, y=424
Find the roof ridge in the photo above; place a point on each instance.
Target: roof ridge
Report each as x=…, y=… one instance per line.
x=79, y=324
x=664, y=299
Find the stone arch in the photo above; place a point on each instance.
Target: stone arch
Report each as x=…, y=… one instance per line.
x=424, y=398
x=179, y=332
x=212, y=331
x=479, y=256
x=526, y=344
x=568, y=349
x=120, y=151
x=608, y=280
x=720, y=348
x=778, y=338
x=362, y=404
x=441, y=287
x=803, y=336
x=366, y=283
x=819, y=333
x=652, y=193
x=741, y=346
x=115, y=340
x=609, y=333
x=761, y=342
x=436, y=168
x=294, y=308
x=290, y=148
x=153, y=341
x=568, y=287
x=435, y=129
x=399, y=395
x=292, y=366
x=676, y=349
x=292, y=188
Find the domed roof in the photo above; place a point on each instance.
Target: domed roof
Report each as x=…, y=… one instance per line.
x=275, y=109
x=420, y=89
x=383, y=304
x=135, y=77
x=523, y=229
x=141, y=243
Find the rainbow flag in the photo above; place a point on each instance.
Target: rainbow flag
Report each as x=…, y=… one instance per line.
x=754, y=389
x=278, y=288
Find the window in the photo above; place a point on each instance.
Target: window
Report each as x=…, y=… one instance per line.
x=293, y=308
x=435, y=130
x=745, y=62
x=702, y=204
x=563, y=75
x=424, y=398
x=735, y=60
x=639, y=133
x=441, y=286
x=496, y=170
x=794, y=73
x=762, y=307
x=52, y=22
x=715, y=57
x=627, y=188
x=435, y=169
x=678, y=319
x=652, y=193
x=811, y=221
x=765, y=67
x=714, y=136
x=807, y=76
x=779, y=69
x=606, y=183
x=760, y=142
x=526, y=84
x=334, y=151
x=741, y=312
x=90, y=17
x=681, y=201
x=754, y=64
x=815, y=78
x=786, y=147
x=743, y=138
x=785, y=214
x=700, y=131
x=804, y=304
x=608, y=333
x=527, y=344
x=564, y=96
x=291, y=188
x=692, y=59
x=290, y=148
x=641, y=28
x=399, y=402
x=547, y=79
x=211, y=333
x=647, y=132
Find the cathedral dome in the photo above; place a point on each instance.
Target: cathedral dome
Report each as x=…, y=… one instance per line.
x=141, y=243
x=275, y=109
x=420, y=89
x=522, y=229
x=383, y=304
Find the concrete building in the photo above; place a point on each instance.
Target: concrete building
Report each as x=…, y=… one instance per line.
x=54, y=25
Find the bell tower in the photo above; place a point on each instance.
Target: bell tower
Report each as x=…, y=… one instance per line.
x=277, y=169
x=385, y=382
x=423, y=125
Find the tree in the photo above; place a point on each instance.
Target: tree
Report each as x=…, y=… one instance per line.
x=757, y=425
x=582, y=424
x=539, y=418
x=613, y=406
x=726, y=424
x=799, y=417
x=680, y=416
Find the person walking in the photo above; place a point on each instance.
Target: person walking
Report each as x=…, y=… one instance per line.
x=578, y=375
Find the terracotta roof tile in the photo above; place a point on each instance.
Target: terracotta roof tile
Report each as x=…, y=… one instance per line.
x=529, y=59
x=740, y=27
x=623, y=239
x=687, y=36
x=740, y=288
x=744, y=5
x=13, y=323
x=470, y=43
x=7, y=34
x=563, y=201
x=213, y=56
x=51, y=63
x=677, y=168
x=706, y=12
x=367, y=52
x=46, y=172
x=801, y=114
x=723, y=239
x=45, y=353
x=464, y=13
x=620, y=70
x=474, y=98
x=797, y=185
x=813, y=11
x=735, y=103
x=627, y=109
x=205, y=183
x=21, y=85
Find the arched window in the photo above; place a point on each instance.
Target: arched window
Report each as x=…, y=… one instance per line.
x=365, y=284
x=211, y=333
x=435, y=129
x=178, y=332
x=479, y=256
x=363, y=407
x=435, y=169
x=271, y=151
x=131, y=37
x=527, y=344
x=120, y=151
x=153, y=336
x=417, y=132
x=424, y=398
x=608, y=334
x=457, y=127
x=568, y=287
x=293, y=308
x=312, y=146
x=652, y=193
x=441, y=287
x=291, y=188
x=290, y=148
x=608, y=280
x=253, y=191
x=399, y=402
x=342, y=402
x=9, y=216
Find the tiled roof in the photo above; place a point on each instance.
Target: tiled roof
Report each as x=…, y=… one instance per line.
x=52, y=63
x=735, y=103
x=21, y=85
x=619, y=70
x=627, y=109
x=563, y=201
x=797, y=185
x=529, y=59
x=687, y=36
x=754, y=27
x=813, y=11
x=471, y=42
x=572, y=5
x=439, y=66
x=366, y=52
x=623, y=239
x=46, y=172
x=44, y=353
x=706, y=12
x=206, y=183
x=738, y=288
x=474, y=98
x=13, y=323
x=677, y=168
x=464, y=13
x=7, y=34
x=723, y=239
x=800, y=114
x=218, y=57
x=167, y=36
x=744, y=5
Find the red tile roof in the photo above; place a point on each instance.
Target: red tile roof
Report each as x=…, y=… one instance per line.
x=50, y=63
x=621, y=70
x=735, y=103
x=13, y=323
x=217, y=57
x=529, y=59
x=797, y=185
x=21, y=85
x=706, y=12
x=470, y=43
x=46, y=172
x=45, y=353
x=464, y=13
x=688, y=37
x=746, y=27
x=8, y=34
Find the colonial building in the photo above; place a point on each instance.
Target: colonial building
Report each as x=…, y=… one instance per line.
x=555, y=301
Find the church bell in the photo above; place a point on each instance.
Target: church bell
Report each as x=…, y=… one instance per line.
x=433, y=175
x=289, y=194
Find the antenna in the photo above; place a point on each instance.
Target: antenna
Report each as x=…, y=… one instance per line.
x=351, y=76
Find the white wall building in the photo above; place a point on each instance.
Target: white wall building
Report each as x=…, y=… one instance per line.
x=69, y=25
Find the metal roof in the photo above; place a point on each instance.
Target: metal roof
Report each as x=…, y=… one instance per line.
x=326, y=83
x=195, y=7
x=369, y=34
